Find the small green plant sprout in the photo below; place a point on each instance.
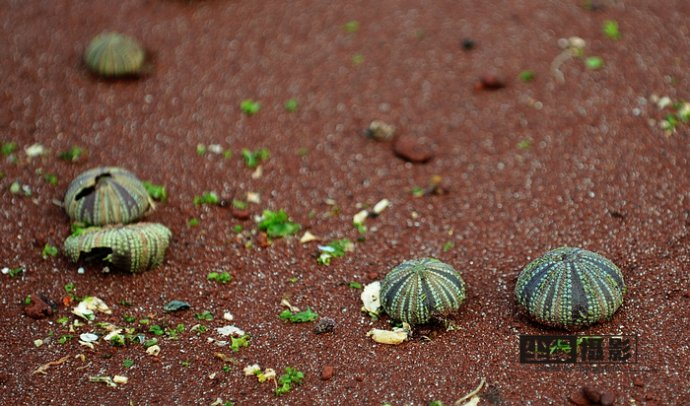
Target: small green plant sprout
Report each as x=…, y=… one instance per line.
x=73, y=154
x=610, y=28
x=156, y=330
x=354, y=285
x=291, y=105
x=65, y=338
x=27, y=300
x=435, y=403
x=277, y=224
x=127, y=363
x=220, y=277
x=303, y=316
x=447, y=246
x=185, y=363
x=288, y=380
x=193, y=222
x=250, y=107
x=253, y=159
x=351, y=26
x=207, y=198
x=49, y=251
x=8, y=148
x=524, y=144
x=594, y=62
x=334, y=249
x=13, y=272
x=157, y=192
x=205, y=315
x=357, y=59
x=526, y=75
x=201, y=149
x=238, y=342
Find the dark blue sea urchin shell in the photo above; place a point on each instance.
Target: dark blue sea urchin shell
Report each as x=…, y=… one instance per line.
x=419, y=289
x=570, y=288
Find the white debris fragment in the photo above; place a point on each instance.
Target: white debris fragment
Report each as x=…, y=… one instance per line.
x=35, y=150
x=154, y=350
x=251, y=369
x=120, y=379
x=253, y=197
x=230, y=331
x=371, y=299
x=38, y=343
x=258, y=172
x=287, y=304
x=228, y=316
x=360, y=217
x=215, y=149
x=112, y=334
x=381, y=206
x=86, y=308
x=395, y=337
x=88, y=337
x=308, y=237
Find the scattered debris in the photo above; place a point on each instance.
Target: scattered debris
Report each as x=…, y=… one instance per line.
x=572, y=47
x=153, y=350
x=380, y=131
x=251, y=369
x=371, y=303
x=230, y=331
x=112, y=382
x=472, y=396
x=412, y=149
x=308, y=237
x=90, y=304
x=287, y=304
x=324, y=325
x=39, y=307
x=435, y=187
x=35, y=150
x=175, y=306
x=43, y=369
x=228, y=316
x=394, y=337
x=334, y=249
x=380, y=206
x=253, y=197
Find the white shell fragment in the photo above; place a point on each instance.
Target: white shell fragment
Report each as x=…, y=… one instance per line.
x=230, y=331
x=360, y=217
x=88, y=337
x=395, y=337
x=120, y=379
x=308, y=237
x=381, y=206
x=228, y=316
x=251, y=369
x=86, y=308
x=153, y=350
x=371, y=302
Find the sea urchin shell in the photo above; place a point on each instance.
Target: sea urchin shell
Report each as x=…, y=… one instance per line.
x=418, y=289
x=570, y=288
x=134, y=247
x=106, y=195
x=111, y=54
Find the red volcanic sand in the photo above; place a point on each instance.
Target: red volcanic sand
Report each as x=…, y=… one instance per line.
x=594, y=173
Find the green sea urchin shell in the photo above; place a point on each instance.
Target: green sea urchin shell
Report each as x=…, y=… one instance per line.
x=134, y=247
x=419, y=289
x=570, y=288
x=112, y=54
x=106, y=195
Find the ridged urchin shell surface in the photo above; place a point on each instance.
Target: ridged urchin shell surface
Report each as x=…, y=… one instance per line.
x=106, y=195
x=134, y=247
x=570, y=288
x=418, y=289
x=112, y=54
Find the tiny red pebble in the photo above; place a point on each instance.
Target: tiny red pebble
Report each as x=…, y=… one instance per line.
x=38, y=308
x=240, y=214
x=373, y=275
x=262, y=240
x=577, y=398
x=490, y=81
x=638, y=382
x=411, y=149
x=327, y=372
x=687, y=294
x=607, y=398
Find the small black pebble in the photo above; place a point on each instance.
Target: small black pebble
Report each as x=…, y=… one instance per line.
x=468, y=44
x=324, y=325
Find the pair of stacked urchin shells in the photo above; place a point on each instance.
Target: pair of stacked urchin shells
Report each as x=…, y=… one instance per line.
x=566, y=288
x=106, y=200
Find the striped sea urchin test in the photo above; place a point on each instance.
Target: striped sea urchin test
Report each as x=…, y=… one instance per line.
x=570, y=288
x=111, y=54
x=419, y=289
x=133, y=248
x=106, y=195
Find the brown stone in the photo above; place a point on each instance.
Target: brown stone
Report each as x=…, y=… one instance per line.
x=240, y=214
x=577, y=398
x=607, y=398
x=638, y=382
x=38, y=308
x=591, y=393
x=262, y=240
x=490, y=81
x=327, y=372
x=411, y=149
x=373, y=275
